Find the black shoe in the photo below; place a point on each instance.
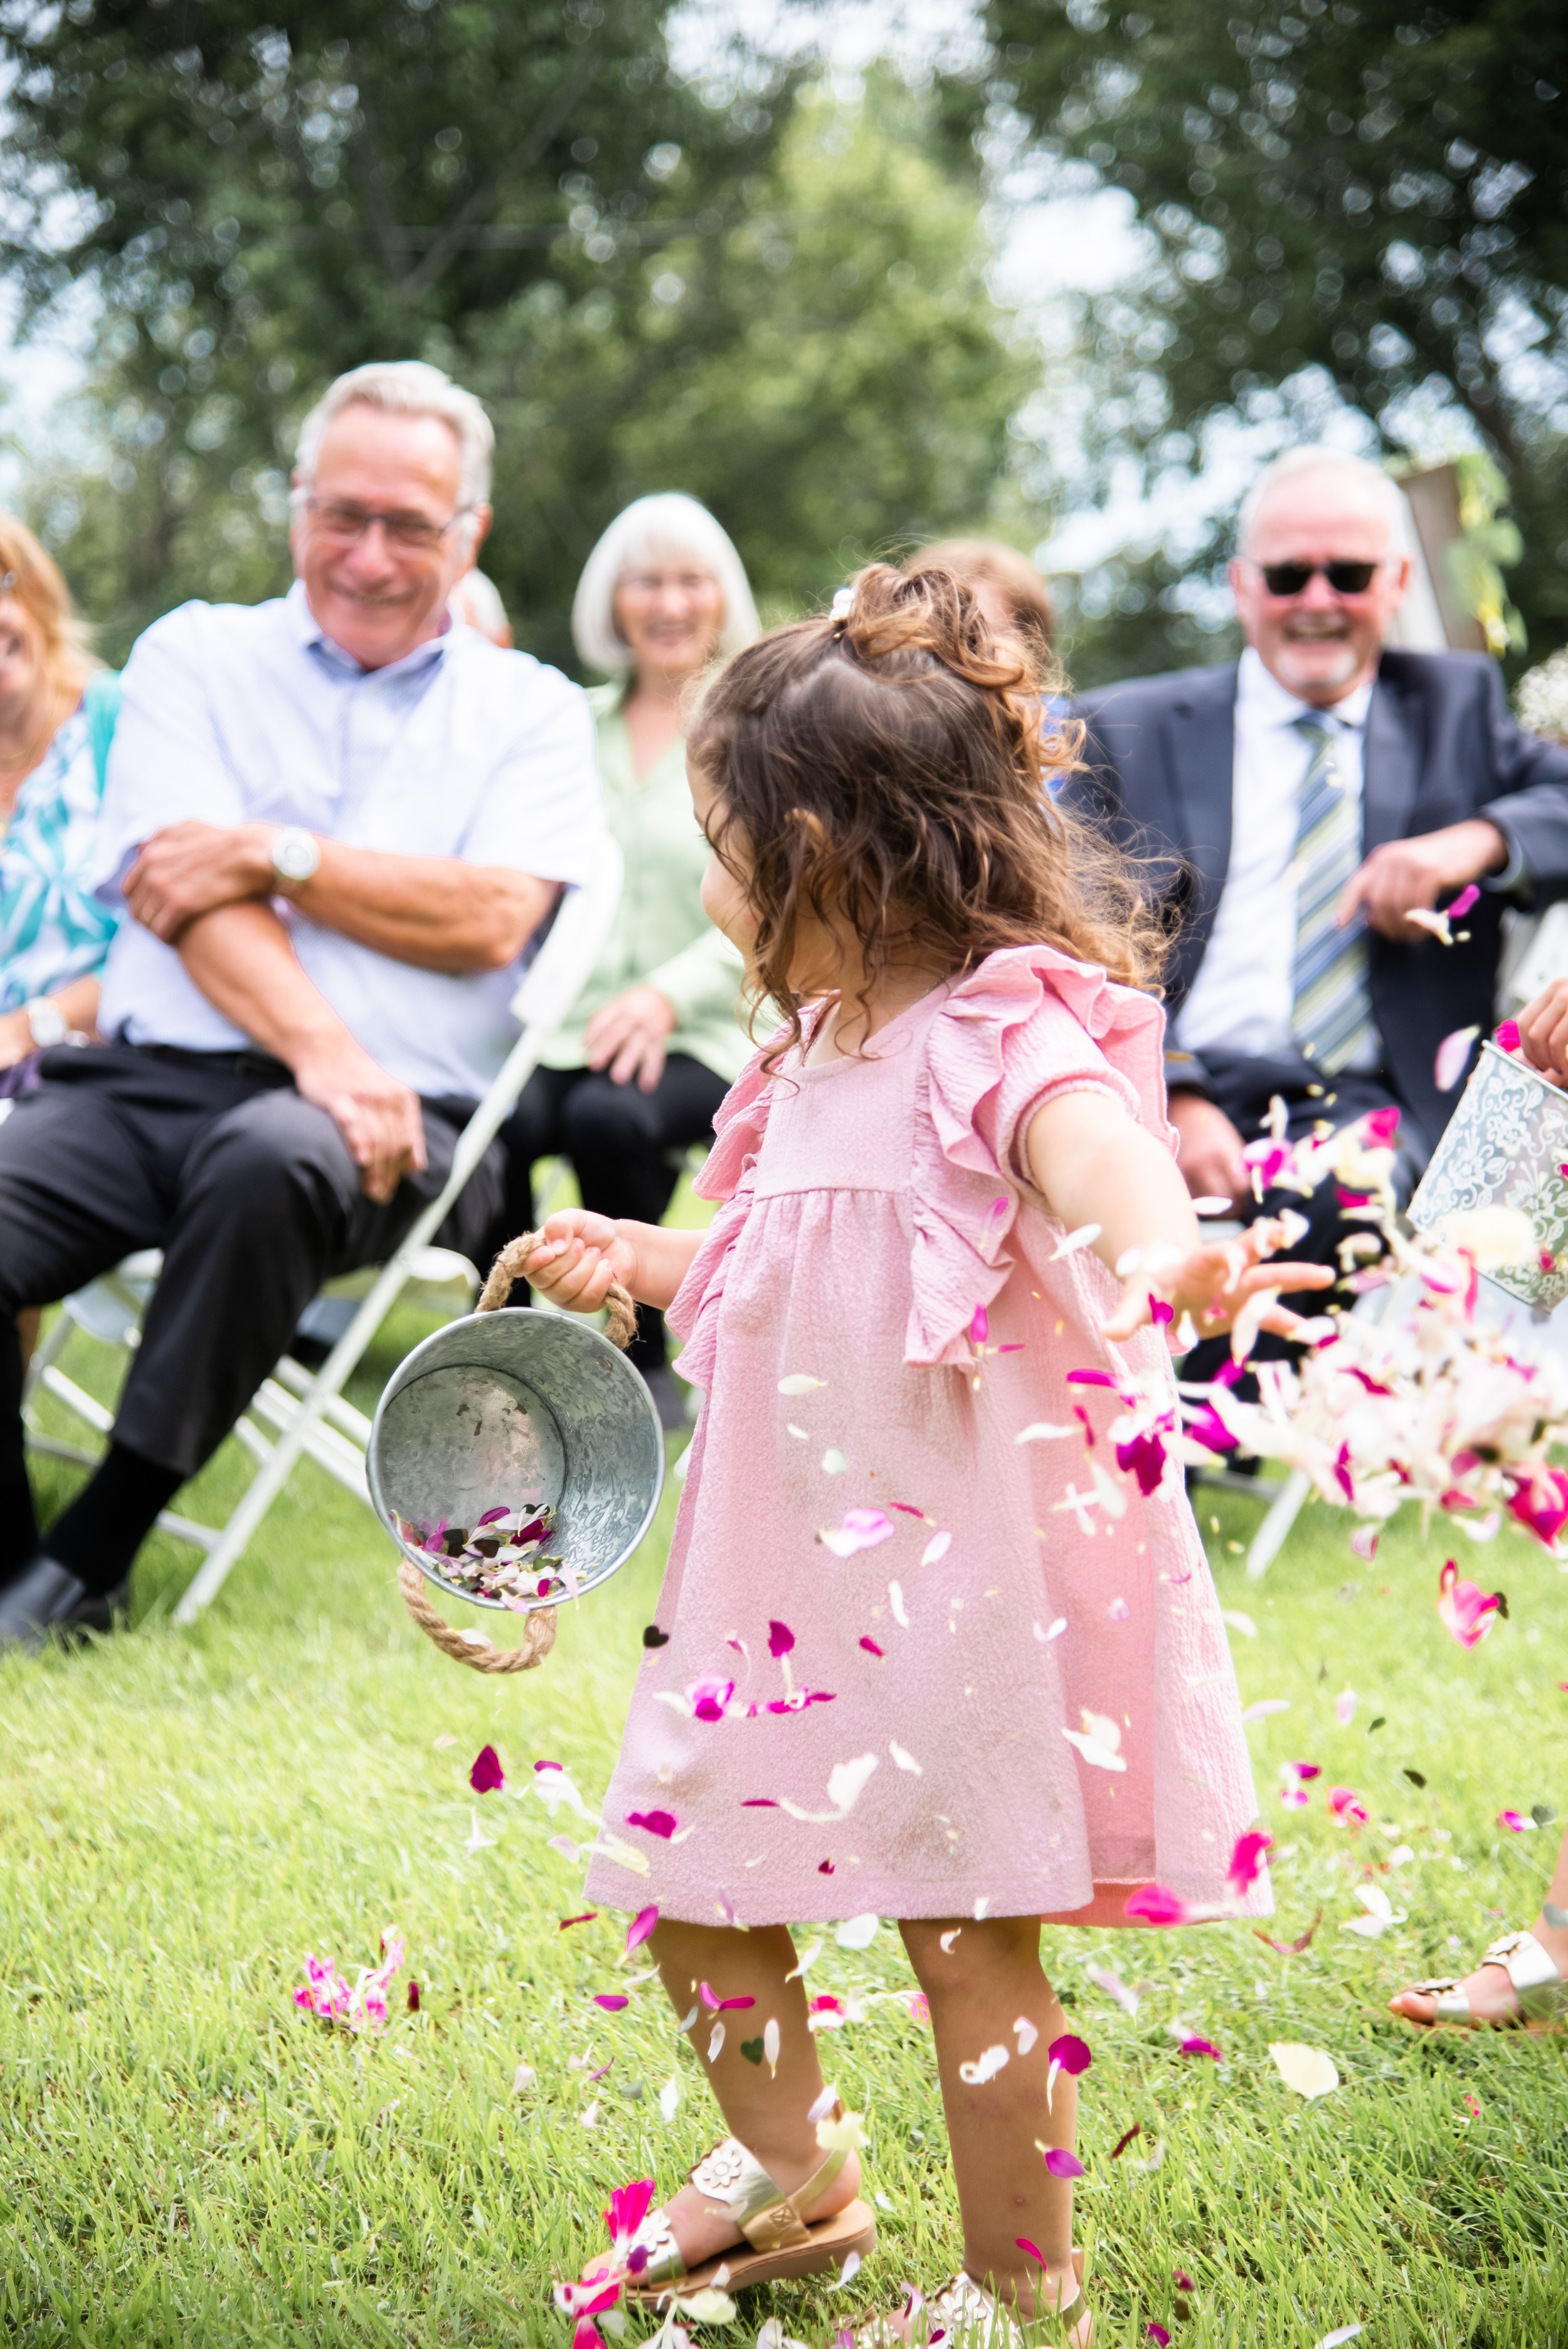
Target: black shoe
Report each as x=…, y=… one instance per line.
x=47, y=1597
x=669, y=1397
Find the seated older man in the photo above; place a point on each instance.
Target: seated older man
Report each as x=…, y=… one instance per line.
x=338, y=819
x=1318, y=798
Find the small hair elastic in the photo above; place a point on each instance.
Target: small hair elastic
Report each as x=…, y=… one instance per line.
x=842, y=605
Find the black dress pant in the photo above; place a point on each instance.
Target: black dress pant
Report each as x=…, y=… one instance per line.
x=249, y=1190
x=620, y=1142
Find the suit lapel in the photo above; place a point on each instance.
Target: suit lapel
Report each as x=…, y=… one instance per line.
x=1389, y=771
x=1203, y=727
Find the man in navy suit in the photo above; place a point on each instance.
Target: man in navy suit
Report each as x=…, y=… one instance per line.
x=1306, y=801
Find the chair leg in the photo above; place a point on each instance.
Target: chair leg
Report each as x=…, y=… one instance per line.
x=1271, y=1535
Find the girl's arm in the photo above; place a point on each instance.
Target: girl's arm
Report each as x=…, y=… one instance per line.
x=581, y=1253
x=1094, y=1163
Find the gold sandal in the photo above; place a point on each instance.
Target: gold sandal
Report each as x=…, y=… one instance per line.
x=965, y=2312
x=781, y=2244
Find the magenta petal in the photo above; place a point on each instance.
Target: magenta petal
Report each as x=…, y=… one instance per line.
x=657, y=1823
x=1145, y=1456
x=1156, y=1904
x=641, y=1926
x=1070, y=2054
x=1022, y=2244
x=629, y=2206
x=612, y=2001
x=1469, y=895
x=1091, y=1379
x=1506, y=1036
x=486, y=1775
x=492, y=1517
x=1158, y=2334
x=1193, y=2046
x=1247, y=1859
x=780, y=1639
x=980, y=1326
x=1063, y=2164
x=870, y=1647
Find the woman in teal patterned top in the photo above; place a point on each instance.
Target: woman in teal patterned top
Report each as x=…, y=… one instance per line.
x=57, y=711
x=652, y=1042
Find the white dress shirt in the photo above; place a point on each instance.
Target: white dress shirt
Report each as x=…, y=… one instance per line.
x=249, y=713
x=1244, y=992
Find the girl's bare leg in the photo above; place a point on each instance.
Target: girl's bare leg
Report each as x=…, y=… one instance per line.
x=767, y=2113
x=979, y=1988
x=1491, y=1994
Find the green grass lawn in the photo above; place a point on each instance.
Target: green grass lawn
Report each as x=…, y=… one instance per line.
x=190, y=2161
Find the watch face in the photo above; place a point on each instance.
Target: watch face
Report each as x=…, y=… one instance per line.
x=295, y=855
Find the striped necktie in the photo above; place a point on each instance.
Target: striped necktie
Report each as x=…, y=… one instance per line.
x=1331, y=1018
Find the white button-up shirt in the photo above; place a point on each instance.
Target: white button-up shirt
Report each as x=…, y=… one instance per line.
x=1245, y=993
x=249, y=713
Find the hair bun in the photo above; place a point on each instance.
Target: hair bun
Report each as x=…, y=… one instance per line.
x=901, y=623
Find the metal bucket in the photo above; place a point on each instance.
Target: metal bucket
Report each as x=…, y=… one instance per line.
x=512, y=1407
x=1504, y=1147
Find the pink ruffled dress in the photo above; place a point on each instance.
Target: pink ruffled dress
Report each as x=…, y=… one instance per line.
x=830, y=1729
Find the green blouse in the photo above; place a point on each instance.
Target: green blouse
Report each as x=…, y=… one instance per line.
x=661, y=937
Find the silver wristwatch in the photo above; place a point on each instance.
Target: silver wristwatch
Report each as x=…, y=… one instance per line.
x=47, y=1022
x=296, y=855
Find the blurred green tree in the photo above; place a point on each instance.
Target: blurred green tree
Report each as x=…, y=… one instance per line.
x=1363, y=187
x=654, y=280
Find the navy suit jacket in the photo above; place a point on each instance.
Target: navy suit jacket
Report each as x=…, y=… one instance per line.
x=1439, y=746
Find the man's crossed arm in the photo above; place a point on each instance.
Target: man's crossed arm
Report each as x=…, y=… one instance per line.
x=434, y=912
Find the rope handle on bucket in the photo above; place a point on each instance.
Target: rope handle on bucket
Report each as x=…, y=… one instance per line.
x=472, y=1648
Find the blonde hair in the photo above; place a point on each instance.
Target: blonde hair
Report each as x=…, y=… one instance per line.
x=33, y=578
x=668, y=523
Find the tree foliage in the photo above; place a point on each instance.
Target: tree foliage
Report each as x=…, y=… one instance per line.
x=653, y=281
x=1373, y=189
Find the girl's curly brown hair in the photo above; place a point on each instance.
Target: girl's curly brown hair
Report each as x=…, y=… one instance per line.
x=888, y=767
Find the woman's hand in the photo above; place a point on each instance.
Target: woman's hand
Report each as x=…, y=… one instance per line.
x=1213, y=1282
x=1543, y=1031
x=15, y=1038
x=628, y=1036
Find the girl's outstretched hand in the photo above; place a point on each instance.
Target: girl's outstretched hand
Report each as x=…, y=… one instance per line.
x=1213, y=1282
x=579, y=1255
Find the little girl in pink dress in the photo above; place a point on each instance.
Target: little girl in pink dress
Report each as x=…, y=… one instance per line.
x=940, y=1639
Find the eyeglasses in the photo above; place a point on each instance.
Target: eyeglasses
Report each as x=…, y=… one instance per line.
x=411, y=533
x=1345, y=578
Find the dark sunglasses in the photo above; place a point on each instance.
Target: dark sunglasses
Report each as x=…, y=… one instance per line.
x=1345, y=578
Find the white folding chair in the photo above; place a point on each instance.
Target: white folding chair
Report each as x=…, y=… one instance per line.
x=305, y=1411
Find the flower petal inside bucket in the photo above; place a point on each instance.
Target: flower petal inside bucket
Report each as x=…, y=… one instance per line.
x=533, y=1414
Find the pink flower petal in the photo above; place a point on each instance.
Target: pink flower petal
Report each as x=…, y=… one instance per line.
x=1247, y=1859
x=780, y=1639
x=657, y=1823
x=1466, y=1611
x=1453, y=1058
x=1156, y=1904
x=980, y=1326
x=1063, y=2164
x=1505, y=1036
x=641, y=1926
x=870, y=1647
x=612, y=2001
x=1469, y=895
x=1511, y=1820
x=1070, y=2054
x=487, y=1776
x=1193, y=2046
x=861, y=1529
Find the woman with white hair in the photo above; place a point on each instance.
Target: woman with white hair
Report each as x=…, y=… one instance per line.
x=654, y=1041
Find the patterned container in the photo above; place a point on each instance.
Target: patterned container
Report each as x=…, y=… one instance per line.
x=1505, y=1147
x=512, y=1407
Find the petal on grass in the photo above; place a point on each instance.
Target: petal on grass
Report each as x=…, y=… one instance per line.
x=1310, y=2071
x=487, y=1776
